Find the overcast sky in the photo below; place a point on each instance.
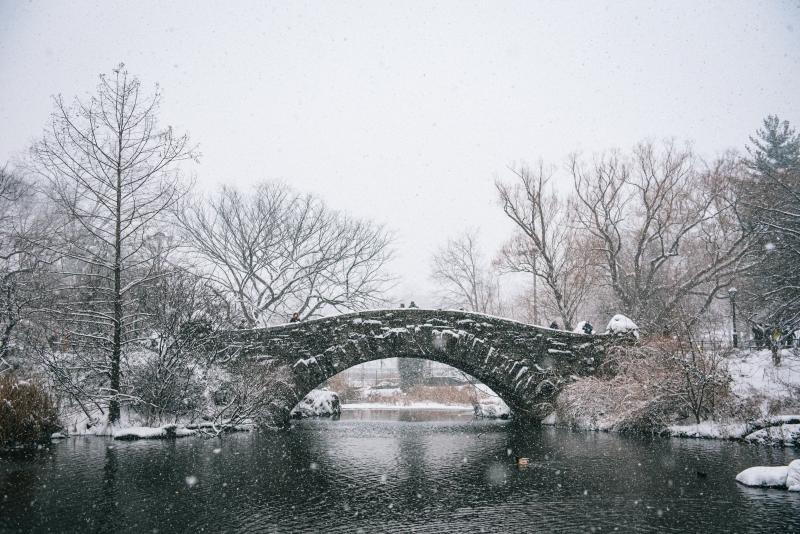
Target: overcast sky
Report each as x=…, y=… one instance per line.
x=406, y=112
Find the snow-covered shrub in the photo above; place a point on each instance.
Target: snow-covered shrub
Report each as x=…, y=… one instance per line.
x=27, y=413
x=646, y=387
x=166, y=386
x=248, y=391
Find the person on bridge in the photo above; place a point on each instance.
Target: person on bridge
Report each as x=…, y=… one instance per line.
x=295, y=318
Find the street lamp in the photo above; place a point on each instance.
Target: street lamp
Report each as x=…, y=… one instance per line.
x=732, y=294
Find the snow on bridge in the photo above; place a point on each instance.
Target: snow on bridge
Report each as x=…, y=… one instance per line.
x=525, y=365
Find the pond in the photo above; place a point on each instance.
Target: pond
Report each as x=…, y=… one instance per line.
x=394, y=471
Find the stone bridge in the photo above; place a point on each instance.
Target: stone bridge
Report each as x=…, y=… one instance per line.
x=525, y=365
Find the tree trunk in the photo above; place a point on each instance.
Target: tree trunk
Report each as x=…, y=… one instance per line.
x=116, y=348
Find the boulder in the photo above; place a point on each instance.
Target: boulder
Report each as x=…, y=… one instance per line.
x=771, y=477
x=793, y=476
x=492, y=409
x=318, y=403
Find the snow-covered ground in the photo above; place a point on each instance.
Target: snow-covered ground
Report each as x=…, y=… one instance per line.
x=710, y=430
x=754, y=378
x=754, y=375
x=409, y=406
x=488, y=404
x=772, y=393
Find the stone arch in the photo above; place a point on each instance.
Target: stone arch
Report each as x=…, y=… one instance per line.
x=525, y=365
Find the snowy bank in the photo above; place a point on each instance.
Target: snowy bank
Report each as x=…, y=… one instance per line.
x=709, y=430
x=146, y=432
x=756, y=380
x=787, y=435
x=787, y=477
x=756, y=388
x=406, y=406
x=318, y=403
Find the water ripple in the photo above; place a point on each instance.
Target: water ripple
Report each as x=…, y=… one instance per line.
x=379, y=473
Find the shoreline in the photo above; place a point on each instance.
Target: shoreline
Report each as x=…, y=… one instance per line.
x=778, y=431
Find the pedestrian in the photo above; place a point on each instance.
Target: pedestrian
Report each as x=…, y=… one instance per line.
x=412, y=305
x=554, y=325
x=295, y=318
x=588, y=328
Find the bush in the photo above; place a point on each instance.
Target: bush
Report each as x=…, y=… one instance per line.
x=645, y=387
x=27, y=413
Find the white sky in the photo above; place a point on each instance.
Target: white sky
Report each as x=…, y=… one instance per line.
x=406, y=112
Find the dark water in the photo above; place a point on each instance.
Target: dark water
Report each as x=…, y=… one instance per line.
x=394, y=472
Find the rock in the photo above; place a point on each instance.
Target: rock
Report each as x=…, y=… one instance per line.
x=771, y=477
x=492, y=409
x=318, y=403
x=793, y=476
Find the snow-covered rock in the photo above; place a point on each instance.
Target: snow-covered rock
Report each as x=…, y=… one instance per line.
x=551, y=419
x=619, y=324
x=320, y=402
x=492, y=408
x=787, y=476
x=793, y=476
x=786, y=434
x=772, y=477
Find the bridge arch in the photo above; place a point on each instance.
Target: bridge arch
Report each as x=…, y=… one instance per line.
x=524, y=365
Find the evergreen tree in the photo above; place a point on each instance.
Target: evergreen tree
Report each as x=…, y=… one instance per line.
x=771, y=196
x=775, y=149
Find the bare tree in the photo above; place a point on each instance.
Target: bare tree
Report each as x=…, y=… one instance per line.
x=666, y=226
x=273, y=252
x=546, y=243
x=166, y=378
x=113, y=173
x=23, y=280
x=465, y=278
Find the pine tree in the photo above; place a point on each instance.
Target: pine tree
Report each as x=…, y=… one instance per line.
x=771, y=196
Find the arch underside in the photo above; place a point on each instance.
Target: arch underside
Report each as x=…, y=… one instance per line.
x=525, y=365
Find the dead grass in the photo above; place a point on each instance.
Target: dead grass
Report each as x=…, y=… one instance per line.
x=443, y=394
x=646, y=387
x=27, y=413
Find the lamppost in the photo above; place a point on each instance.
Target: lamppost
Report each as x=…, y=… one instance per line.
x=732, y=294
